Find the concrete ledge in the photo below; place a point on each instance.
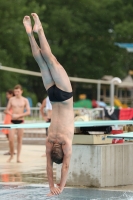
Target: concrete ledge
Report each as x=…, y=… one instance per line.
x=100, y=165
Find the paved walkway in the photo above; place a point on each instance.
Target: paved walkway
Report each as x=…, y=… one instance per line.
x=32, y=170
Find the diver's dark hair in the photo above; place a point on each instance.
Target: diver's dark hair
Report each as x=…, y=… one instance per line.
x=57, y=155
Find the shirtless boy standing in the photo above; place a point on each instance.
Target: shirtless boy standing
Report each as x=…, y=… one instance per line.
x=58, y=86
x=17, y=104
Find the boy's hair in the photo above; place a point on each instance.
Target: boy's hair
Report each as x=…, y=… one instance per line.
x=57, y=155
x=18, y=87
x=11, y=92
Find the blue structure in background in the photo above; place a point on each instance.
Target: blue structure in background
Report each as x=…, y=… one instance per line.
x=30, y=101
x=127, y=46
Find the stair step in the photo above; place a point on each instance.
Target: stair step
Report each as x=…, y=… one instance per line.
x=34, y=141
x=36, y=136
x=35, y=131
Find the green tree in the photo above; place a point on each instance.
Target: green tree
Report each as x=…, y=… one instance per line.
x=81, y=34
x=13, y=40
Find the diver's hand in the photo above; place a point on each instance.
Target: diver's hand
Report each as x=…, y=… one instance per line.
x=54, y=191
x=61, y=188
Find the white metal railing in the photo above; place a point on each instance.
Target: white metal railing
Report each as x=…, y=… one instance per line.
x=36, y=115
x=93, y=113
x=2, y=114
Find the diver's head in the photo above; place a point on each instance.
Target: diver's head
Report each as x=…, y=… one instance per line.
x=57, y=154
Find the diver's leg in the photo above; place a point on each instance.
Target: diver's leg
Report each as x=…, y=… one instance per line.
x=46, y=75
x=58, y=73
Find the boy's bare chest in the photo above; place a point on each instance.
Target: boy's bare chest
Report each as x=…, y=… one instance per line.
x=18, y=103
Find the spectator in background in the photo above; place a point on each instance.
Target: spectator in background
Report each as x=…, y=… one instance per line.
x=47, y=105
x=20, y=108
x=7, y=118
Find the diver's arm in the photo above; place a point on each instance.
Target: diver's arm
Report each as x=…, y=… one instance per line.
x=49, y=165
x=53, y=190
x=65, y=166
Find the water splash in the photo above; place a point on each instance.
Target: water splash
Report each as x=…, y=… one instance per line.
x=27, y=193
x=124, y=196
x=39, y=192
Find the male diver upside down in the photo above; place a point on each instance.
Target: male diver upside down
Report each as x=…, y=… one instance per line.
x=58, y=86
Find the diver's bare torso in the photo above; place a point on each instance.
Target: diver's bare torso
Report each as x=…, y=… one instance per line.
x=61, y=129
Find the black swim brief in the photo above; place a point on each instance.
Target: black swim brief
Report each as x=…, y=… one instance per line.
x=15, y=121
x=57, y=95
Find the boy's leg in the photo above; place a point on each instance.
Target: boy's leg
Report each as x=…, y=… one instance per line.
x=11, y=143
x=58, y=73
x=19, y=143
x=46, y=75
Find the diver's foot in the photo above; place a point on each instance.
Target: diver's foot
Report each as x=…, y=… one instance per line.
x=27, y=24
x=37, y=25
x=9, y=160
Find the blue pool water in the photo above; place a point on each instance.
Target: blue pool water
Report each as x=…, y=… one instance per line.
x=34, y=192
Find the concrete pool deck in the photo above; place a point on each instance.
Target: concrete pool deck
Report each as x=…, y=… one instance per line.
x=33, y=169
